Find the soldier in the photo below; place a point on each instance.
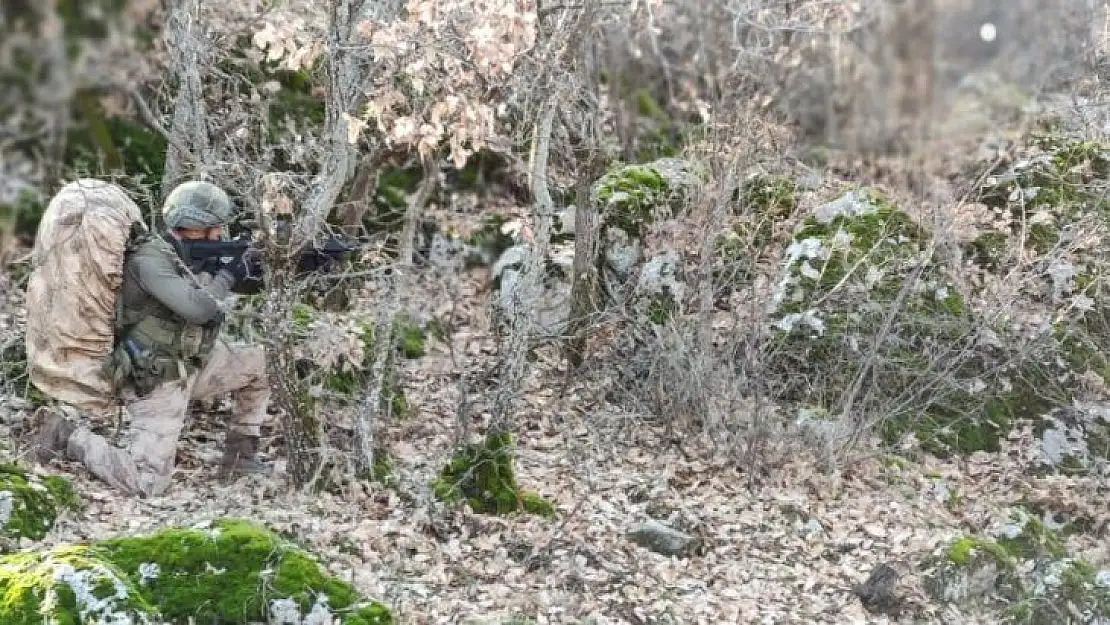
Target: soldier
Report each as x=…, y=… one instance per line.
x=168, y=352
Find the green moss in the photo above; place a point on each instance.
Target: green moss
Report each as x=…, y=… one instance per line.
x=437, y=330
x=101, y=145
x=13, y=370
x=1066, y=591
x=1056, y=181
x=410, y=337
x=482, y=474
x=89, y=19
x=961, y=551
x=662, y=141
x=297, y=106
x=302, y=316
x=230, y=572
x=392, y=186
x=962, y=422
x=482, y=169
x=661, y=308
x=382, y=470
x=1036, y=581
x=292, y=107
x=775, y=196
x=70, y=585
x=884, y=238
x=350, y=380
x=762, y=205
x=658, y=136
x=488, y=240
x=29, y=503
x=350, y=383
x=846, y=273
x=629, y=196
x=1032, y=540
x=1084, y=343
x=648, y=106
x=534, y=503
x=989, y=249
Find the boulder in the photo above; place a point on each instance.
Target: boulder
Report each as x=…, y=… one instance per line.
x=225, y=571
x=1022, y=572
x=30, y=503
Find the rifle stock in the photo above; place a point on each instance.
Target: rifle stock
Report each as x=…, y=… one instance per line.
x=208, y=256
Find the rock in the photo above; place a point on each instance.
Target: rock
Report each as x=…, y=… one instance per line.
x=622, y=252
x=859, y=266
x=851, y=204
x=1076, y=438
x=879, y=593
x=660, y=538
x=1023, y=571
x=551, y=304
x=30, y=503
x=227, y=571
x=632, y=197
x=659, y=291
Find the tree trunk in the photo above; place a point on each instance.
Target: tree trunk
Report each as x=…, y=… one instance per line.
x=189, y=150
x=522, y=309
x=584, y=283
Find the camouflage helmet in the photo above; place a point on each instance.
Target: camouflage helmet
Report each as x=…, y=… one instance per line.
x=196, y=204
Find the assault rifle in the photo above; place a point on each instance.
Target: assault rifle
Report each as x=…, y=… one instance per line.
x=207, y=256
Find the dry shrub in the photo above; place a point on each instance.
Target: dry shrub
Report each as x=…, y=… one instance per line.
x=717, y=367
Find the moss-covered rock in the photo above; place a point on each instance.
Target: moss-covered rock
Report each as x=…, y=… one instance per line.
x=846, y=266
x=482, y=474
x=488, y=241
x=660, y=291
x=764, y=204
x=228, y=571
x=1054, y=183
x=1023, y=573
x=860, y=288
x=1074, y=440
x=632, y=197
x=30, y=503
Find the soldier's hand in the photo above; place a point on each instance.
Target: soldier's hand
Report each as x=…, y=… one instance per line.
x=238, y=269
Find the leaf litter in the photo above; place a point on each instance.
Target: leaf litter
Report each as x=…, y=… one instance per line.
x=785, y=547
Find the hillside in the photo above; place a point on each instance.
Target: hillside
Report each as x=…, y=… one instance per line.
x=666, y=343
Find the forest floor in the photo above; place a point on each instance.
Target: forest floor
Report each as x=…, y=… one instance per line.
x=784, y=544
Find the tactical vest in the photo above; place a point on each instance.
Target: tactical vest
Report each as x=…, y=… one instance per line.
x=153, y=345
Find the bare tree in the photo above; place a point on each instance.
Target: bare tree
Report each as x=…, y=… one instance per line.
x=586, y=149
x=189, y=152
x=347, y=71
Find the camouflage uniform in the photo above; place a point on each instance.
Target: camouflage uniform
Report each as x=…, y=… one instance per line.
x=168, y=353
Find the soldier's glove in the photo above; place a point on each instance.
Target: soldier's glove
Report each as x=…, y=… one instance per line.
x=238, y=269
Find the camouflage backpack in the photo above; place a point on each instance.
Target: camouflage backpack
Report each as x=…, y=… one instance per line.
x=77, y=270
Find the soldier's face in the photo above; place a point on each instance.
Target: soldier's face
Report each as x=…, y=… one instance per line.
x=197, y=234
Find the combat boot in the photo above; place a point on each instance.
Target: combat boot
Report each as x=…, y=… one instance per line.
x=49, y=434
x=241, y=455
